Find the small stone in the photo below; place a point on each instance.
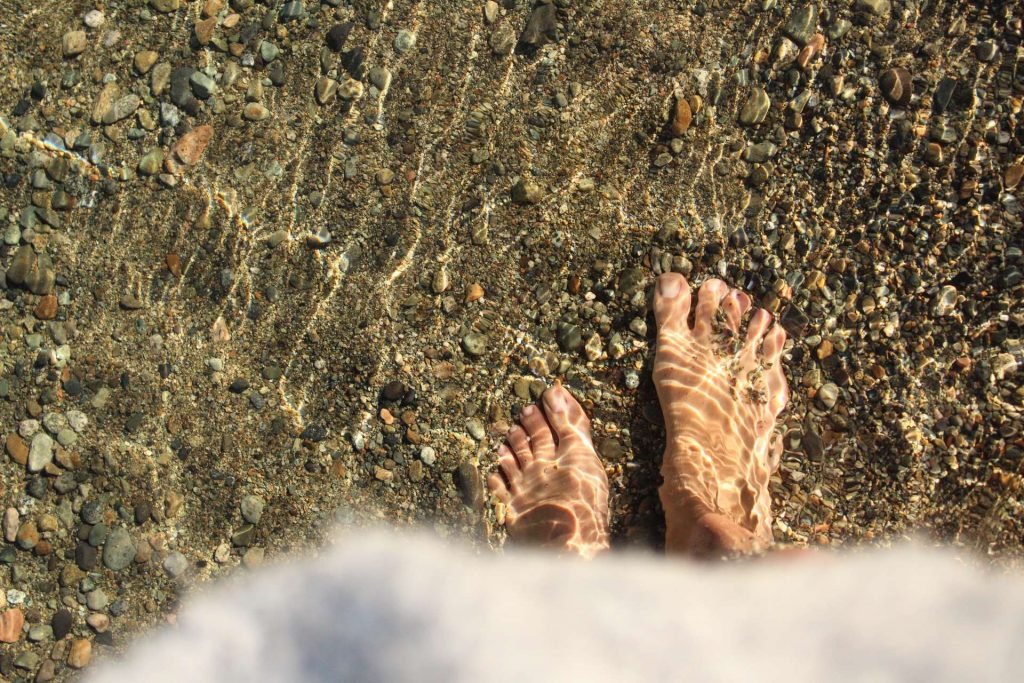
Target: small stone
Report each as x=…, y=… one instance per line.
x=93, y=18
x=202, y=85
x=61, y=624
x=326, y=89
x=11, y=522
x=802, y=24
x=874, y=8
x=986, y=51
x=40, y=632
x=119, y=550
x=121, y=108
x=827, y=395
x=337, y=36
x=681, y=117
x=812, y=446
x=252, y=509
x=351, y=89
x=28, y=535
x=292, y=9
x=98, y=621
x=570, y=337
x=203, y=31
x=40, y=453
x=933, y=153
x=151, y=163
x=164, y=6
x=17, y=449
x=755, y=110
x=474, y=344
x=385, y=176
x=74, y=43
x=189, y=149
x=428, y=455
x=440, y=283
x=502, y=40
x=490, y=11
x=175, y=564
x=1012, y=175
x=470, y=485
x=21, y=265
x=945, y=301
x=145, y=60
x=474, y=292
x=268, y=51
x=11, y=623
x=896, y=86
x=527, y=192
x=80, y=653
x=541, y=28
x=404, y=41
x=254, y=111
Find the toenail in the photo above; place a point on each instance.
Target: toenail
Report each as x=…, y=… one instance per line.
x=668, y=286
x=528, y=410
x=556, y=399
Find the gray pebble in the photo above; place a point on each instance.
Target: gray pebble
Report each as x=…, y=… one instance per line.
x=252, y=509
x=119, y=550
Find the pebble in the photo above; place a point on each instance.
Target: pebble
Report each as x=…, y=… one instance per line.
x=175, y=564
x=96, y=599
x=16, y=448
x=896, y=86
x=98, y=621
x=428, y=455
x=61, y=623
x=802, y=24
x=474, y=344
x=325, y=90
x=874, y=8
x=476, y=429
x=1012, y=175
x=527, y=192
x=254, y=111
x=681, y=117
x=502, y=40
x=268, y=51
x=337, y=36
x=40, y=453
x=490, y=11
x=74, y=43
x=11, y=623
x=189, y=149
x=80, y=653
x=165, y=6
x=252, y=509
x=28, y=535
x=119, y=550
x=827, y=395
x=755, y=109
x=202, y=85
x=404, y=41
x=541, y=28
x=470, y=485
x=11, y=522
x=986, y=51
x=945, y=301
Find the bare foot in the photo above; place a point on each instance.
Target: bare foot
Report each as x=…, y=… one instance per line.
x=552, y=482
x=720, y=392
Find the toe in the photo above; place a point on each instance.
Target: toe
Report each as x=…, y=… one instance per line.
x=520, y=445
x=671, y=303
x=778, y=389
x=735, y=305
x=509, y=466
x=773, y=343
x=497, y=486
x=708, y=300
x=566, y=416
x=758, y=325
x=542, y=441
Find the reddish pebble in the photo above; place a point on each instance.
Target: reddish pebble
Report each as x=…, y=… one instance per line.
x=46, y=309
x=80, y=654
x=189, y=149
x=11, y=623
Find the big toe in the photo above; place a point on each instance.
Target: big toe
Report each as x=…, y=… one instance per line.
x=671, y=303
x=566, y=416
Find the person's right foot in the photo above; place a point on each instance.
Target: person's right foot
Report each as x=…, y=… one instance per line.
x=720, y=394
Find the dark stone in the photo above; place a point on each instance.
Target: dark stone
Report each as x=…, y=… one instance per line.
x=353, y=63
x=541, y=28
x=134, y=422
x=181, y=89
x=392, y=391
x=314, y=432
x=86, y=556
x=471, y=485
x=812, y=445
x=794, y=321
x=952, y=95
x=36, y=488
x=61, y=624
x=238, y=386
x=337, y=36
x=142, y=512
x=92, y=512
x=896, y=86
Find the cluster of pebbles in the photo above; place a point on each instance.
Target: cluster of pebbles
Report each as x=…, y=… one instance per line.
x=270, y=266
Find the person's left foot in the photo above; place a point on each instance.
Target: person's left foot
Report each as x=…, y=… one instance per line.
x=553, y=483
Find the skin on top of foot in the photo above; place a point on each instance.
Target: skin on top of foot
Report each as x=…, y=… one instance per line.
x=721, y=390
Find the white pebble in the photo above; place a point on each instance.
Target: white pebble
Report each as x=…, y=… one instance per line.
x=94, y=18
x=428, y=455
